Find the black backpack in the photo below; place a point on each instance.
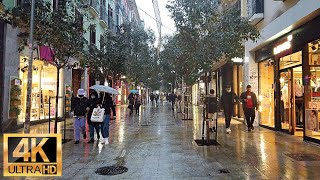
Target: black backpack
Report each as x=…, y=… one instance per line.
x=212, y=105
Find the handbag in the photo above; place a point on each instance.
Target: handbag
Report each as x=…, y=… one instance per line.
x=97, y=115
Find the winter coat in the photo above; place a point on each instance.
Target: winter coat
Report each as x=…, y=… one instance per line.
x=254, y=100
x=107, y=104
x=228, y=100
x=93, y=104
x=211, y=103
x=79, y=106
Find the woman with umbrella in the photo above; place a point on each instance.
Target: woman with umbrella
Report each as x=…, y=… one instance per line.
x=137, y=103
x=131, y=102
x=94, y=101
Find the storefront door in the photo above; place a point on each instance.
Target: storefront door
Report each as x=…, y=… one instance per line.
x=291, y=102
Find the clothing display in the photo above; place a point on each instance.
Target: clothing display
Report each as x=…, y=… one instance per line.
x=298, y=88
x=284, y=97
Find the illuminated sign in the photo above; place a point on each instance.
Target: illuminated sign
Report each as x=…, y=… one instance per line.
x=32, y=155
x=283, y=47
x=239, y=60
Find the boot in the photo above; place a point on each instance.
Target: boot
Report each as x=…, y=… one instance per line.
x=106, y=140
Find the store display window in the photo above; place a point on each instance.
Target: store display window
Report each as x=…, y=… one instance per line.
x=312, y=113
x=266, y=93
x=43, y=87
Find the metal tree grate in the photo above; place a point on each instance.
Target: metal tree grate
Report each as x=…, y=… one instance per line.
x=111, y=170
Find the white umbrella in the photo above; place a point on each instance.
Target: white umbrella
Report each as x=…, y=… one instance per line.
x=106, y=89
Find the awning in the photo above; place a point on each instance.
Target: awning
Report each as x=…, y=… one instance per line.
x=219, y=64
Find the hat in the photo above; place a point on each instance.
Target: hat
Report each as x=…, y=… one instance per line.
x=249, y=86
x=81, y=92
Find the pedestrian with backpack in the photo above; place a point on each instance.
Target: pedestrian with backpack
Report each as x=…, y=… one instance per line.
x=227, y=102
x=80, y=106
x=211, y=103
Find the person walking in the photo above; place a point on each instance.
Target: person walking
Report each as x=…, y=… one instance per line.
x=113, y=107
x=144, y=98
x=106, y=104
x=131, y=102
x=250, y=105
x=157, y=98
x=152, y=98
x=94, y=101
x=79, y=107
x=227, y=102
x=211, y=103
x=173, y=98
x=137, y=103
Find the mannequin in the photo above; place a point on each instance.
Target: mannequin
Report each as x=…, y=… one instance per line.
x=298, y=101
x=284, y=103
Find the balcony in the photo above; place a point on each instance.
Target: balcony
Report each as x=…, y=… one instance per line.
x=94, y=4
x=255, y=11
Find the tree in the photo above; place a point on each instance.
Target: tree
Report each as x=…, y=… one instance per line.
x=206, y=33
x=60, y=28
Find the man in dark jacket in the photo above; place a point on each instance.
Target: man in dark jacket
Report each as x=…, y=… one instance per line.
x=131, y=102
x=79, y=106
x=211, y=103
x=94, y=101
x=250, y=104
x=227, y=102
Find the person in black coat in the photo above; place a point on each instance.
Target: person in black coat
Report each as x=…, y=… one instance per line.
x=227, y=102
x=250, y=105
x=94, y=101
x=106, y=104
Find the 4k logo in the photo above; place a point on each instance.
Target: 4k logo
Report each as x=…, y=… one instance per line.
x=32, y=155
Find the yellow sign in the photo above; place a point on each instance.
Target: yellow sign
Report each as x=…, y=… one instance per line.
x=32, y=155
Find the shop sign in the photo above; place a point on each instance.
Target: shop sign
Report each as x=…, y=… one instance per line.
x=283, y=47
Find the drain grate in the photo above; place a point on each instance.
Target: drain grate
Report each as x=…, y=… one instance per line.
x=304, y=157
x=224, y=171
x=111, y=170
x=211, y=142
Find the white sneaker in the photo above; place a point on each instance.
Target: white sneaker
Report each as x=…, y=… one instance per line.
x=106, y=140
x=228, y=130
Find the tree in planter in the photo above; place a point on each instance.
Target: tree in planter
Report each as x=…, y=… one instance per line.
x=14, y=111
x=60, y=29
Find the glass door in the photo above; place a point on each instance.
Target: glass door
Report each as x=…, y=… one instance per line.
x=286, y=107
x=291, y=102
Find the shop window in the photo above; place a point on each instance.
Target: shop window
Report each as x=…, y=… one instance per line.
x=266, y=93
x=43, y=90
x=314, y=55
x=291, y=60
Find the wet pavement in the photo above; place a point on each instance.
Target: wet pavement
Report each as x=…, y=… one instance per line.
x=159, y=145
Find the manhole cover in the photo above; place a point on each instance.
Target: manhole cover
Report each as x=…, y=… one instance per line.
x=111, y=170
x=304, y=157
x=224, y=171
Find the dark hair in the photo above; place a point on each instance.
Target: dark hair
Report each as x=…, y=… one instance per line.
x=249, y=86
x=211, y=91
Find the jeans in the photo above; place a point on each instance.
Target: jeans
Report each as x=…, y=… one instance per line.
x=93, y=127
x=228, y=114
x=105, y=126
x=79, y=124
x=250, y=114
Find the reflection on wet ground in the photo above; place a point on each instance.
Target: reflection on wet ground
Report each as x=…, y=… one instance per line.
x=159, y=145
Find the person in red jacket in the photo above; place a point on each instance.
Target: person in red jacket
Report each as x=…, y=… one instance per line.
x=250, y=105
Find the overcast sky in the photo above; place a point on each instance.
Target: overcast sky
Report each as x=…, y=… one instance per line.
x=147, y=6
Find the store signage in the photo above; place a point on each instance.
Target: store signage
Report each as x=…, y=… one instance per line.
x=239, y=60
x=283, y=47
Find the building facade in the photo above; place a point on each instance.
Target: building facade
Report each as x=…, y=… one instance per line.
x=13, y=77
x=283, y=64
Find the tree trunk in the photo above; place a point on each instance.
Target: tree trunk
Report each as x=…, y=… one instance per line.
x=57, y=101
x=30, y=63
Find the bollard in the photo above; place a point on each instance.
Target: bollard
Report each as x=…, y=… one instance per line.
x=49, y=113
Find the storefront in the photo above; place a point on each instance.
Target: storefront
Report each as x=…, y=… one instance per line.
x=44, y=83
x=289, y=77
x=229, y=73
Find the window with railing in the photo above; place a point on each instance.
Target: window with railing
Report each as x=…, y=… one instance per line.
x=103, y=11
x=94, y=4
x=255, y=7
x=92, y=35
x=110, y=17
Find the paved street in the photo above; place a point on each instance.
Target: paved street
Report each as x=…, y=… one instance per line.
x=159, y=145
